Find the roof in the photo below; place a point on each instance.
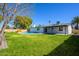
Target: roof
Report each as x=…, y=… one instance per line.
x=55, y=25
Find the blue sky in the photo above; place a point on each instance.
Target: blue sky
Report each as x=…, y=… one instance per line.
x=43, y=12
x=55, y=12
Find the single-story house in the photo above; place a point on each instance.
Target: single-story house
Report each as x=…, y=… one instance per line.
x=54, y=29
x=36, y=30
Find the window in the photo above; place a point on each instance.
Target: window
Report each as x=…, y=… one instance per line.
x=60, y=28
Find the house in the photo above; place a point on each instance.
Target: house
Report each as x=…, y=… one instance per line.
x=35, y=29
x=54, y=29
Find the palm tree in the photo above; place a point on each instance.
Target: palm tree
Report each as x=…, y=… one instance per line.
x=76, y=21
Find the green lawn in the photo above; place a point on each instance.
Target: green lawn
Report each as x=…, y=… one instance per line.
x=40, y=45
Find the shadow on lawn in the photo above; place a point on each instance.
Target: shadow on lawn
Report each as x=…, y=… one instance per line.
x=70, y=47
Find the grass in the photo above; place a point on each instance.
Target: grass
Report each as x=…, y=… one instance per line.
x=40, y=45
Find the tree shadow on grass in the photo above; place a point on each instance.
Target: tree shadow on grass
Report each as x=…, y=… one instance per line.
x=70, y=47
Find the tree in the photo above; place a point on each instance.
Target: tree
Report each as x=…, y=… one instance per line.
x=7, y=27
x=1, y=18
x=22, y=22
x=49, y=22
x=8, y=14
x=38, y=27
x=75, y=21
x=58, y=22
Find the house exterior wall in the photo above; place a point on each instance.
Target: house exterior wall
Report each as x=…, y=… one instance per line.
x=69, y=29
x=66, y=30
x=35, y=30
x=54, y=30
x=49, y=30
x=41, y=30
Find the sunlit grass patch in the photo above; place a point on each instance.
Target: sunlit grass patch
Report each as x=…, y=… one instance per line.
x=34, y=45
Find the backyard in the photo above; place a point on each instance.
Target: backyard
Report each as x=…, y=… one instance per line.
x=40, y=45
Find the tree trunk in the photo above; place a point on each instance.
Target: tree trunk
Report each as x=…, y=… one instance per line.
x=77, y=26
x=3, y=43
